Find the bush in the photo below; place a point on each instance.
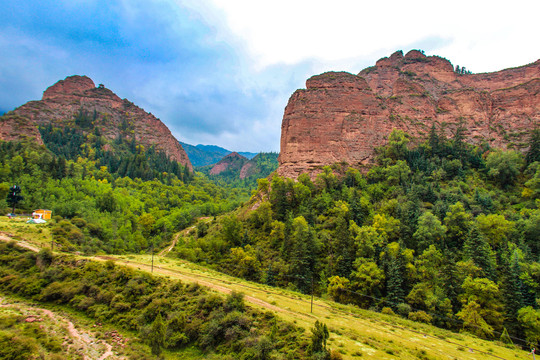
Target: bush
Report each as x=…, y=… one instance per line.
x=403, y=309
x=420, y=316
x=387, y=311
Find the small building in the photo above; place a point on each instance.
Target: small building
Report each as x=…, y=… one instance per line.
x=42, y=214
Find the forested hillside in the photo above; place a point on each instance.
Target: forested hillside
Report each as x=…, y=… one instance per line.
x=162, y=317
x=444, y=233
x=202, y=155
x=126, y=200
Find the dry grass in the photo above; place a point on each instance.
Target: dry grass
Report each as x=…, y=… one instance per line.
x=18, y=229
x=355, y=332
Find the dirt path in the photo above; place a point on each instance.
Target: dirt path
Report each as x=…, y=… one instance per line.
x=207, y=283
x=82, y=342
x=173, y=244
x=7, y=237
x=182, y=233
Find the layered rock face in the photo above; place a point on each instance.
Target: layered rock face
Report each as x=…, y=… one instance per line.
x=341, y=117
x=62, y=101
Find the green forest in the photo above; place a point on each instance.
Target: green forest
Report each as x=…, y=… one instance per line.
x=443, y=232
x=102, y=210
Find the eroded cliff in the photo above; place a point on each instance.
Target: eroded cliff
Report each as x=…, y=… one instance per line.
x=341, y=117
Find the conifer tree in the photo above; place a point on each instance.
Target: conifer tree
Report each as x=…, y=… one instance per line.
x=478, y=250
x=533, y=154
x=156, y=337
x=14, y=197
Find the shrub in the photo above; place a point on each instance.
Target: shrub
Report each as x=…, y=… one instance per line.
x=387, y=311
x=420, y=316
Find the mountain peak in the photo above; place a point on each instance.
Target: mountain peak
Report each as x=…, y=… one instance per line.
x=74, y=84
x=233, y=161
x=77, y=96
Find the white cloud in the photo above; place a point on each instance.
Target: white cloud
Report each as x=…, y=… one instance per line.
x=485, y=35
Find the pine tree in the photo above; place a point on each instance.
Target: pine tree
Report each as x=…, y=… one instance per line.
x=533, y=154
x=478, y=250
x=513, y=298
x=303, y=254
x=14, y=197
x=156, y=337
x=319, y=338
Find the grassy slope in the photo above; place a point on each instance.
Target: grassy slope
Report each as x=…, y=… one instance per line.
x=354, y=332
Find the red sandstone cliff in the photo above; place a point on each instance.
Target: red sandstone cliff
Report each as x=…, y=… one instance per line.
x=341, y=117
x=63, y=100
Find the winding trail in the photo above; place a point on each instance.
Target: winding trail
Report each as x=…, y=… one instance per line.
x=173, y=244
x=356, y=330
x=184, y=232
x=83, y=342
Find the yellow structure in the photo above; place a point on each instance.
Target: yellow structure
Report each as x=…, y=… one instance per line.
x=42, y=214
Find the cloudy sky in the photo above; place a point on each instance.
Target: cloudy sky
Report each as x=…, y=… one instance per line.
x=221, y=71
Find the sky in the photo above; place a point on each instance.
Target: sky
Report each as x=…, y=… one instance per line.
x=221, y=71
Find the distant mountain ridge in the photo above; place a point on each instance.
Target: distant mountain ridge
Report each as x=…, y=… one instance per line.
x=202, y=155
x=237, y=169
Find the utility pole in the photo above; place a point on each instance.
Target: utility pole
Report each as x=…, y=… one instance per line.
x=152, y=268
x=312, y=294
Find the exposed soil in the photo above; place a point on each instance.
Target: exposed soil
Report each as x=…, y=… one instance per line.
x=78, y=341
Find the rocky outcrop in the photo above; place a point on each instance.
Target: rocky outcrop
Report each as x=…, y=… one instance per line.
x=341, y=117
x=62, y=102
x=232, y=163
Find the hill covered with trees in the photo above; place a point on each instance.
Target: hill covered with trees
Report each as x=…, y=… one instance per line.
x=123, y=201
x=444, y=233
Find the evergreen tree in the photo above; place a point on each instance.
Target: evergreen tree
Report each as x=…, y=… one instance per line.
x=156, y=337
x=14, y=197
x=394, y=273
x=533, y=154
x=513, y=298
x=303, y=254
x=477, y=249
x=319, y=338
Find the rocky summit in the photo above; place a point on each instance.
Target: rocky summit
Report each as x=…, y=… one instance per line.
x=63, y=101
x=342, y=117
x=231, y=162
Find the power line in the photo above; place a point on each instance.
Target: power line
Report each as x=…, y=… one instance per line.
x=440, y=316
x=334, y=309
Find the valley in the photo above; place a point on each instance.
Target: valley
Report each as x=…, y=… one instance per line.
x=355, y=333
x=400, y=220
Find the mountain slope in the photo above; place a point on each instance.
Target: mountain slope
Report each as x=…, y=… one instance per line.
x=236, y=169
x=77, y=102
x=341, y=117
x=202, y=155
x=229, y=164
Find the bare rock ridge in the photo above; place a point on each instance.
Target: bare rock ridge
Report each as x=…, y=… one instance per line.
x=63, y=100
x=342, y=117
x=233, y=161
